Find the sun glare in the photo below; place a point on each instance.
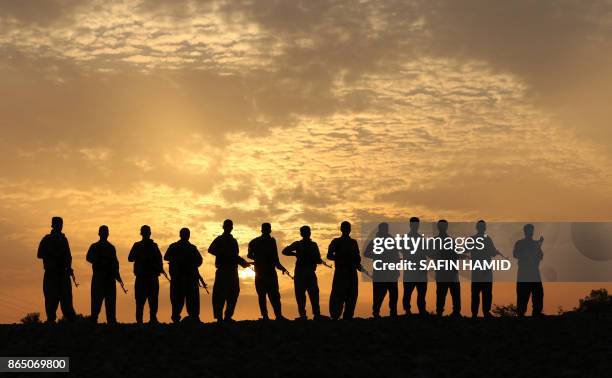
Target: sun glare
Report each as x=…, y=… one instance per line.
x=246, y=274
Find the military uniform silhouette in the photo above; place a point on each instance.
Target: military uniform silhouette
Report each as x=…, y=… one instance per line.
x=264, y=252
x=482, y=280
x=447, y=279
x=57, y=261
x=308, y=257
x=184, y=259
x=148, y=266
x=415, y=279
x=345, y=252
x=383, y=281
x=103, y=258
x=529, y=283
x=226, y=288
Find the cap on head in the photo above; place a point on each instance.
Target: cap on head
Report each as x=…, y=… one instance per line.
x=266, y=228
x=145, y=231
x=228, y=225
x=185, y=233
x=528, y=229
x=345, y=228
x=57, y=223
x=103, y=232
x=305, y=231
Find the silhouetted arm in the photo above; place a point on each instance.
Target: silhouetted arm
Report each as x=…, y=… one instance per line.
x=67, y=255
x=356, y=255
x=169, y=253
x=90, y=254
x=290, y=249
x=277, y=263
x=116, y=264
x=317, y=254
x=132, y=255
x=251, y=250
x=42, y=248
x=331, y=251
x=369, y=251
x=158, y=258
x=198, y=257
x=516, y=253
x=214, y=246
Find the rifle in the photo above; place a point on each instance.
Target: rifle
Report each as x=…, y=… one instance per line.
x=364, y=271
x=76, y=284
x=502, y=255
x=203, y=283
x=123, y=287
x=163, y=273
x=288, y=274
x=326, y=265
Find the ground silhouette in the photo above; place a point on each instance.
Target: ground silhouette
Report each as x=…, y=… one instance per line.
x=569, y=345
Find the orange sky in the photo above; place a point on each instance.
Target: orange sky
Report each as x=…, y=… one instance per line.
x=184, y=113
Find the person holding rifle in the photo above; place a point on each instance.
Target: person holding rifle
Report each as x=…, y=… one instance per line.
x=305, y=281
x=264, y=252
x=528, y=252
x=184, y=259
x=226, y=288
x=54, y=251
x=103, y=259
x=148, y=266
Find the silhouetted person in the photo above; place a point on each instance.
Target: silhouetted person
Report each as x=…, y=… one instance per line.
x=264, y=252
x=415, y=279
x=227, y=284
x=184, y=259
x=103, y=258
x=383, y=281
x=482, y=280
x=308, y=257
x=148, y=266
x=57, y=261
x=345, y=285
x=528, y=281
x=447, y=279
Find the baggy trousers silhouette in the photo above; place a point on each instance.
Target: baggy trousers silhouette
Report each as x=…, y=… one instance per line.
x=185, y=292
x=379, y=292
x=58, y=291
x=524, y=290
x=225, y=292
x=486, y=290
x=344, y=293
x=266, y=284
x=103, y=288
x=421, y=288
x=146, y=288
x=442, y=288
x=305, y=281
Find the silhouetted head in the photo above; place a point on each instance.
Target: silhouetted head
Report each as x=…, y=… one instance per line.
x=266, y=228
x=345, y=228
x=481, y=227
x=185, y=234
x=528, y=230
x=145, y=232
x=228, y=226
x=414, y=224
x=383, y=228
x=305, y=232
x=442, y=226
x=57, y=224
x=103, y=232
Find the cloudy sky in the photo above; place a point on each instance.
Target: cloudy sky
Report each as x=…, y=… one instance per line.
x=184, y=113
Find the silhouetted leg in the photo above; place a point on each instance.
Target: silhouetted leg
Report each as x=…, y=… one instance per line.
x=140, y=296
x=110, y=301
x=260, y=288
x=421, y=294
x=352, y=294
x=97, y=295
x=487, y=298
x=177, y=298
x=537, y=298
x=455, y=291
x=300, y=292
x=522, y=297
x=378, y=296
x=407, y=297
x=153, y=298
x=393, y=297
x=66, y=298
x=192, y=300
x=336, y=297
x=219, y=294
x=313, y=294
x=52, y=296
x=233, y=293
x=274, y=295
x=441, y=290
x=475, y=289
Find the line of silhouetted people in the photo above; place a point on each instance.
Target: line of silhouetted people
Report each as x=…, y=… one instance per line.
x=184, y=261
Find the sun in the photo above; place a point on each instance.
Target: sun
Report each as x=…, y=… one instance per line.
x=246, y=274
